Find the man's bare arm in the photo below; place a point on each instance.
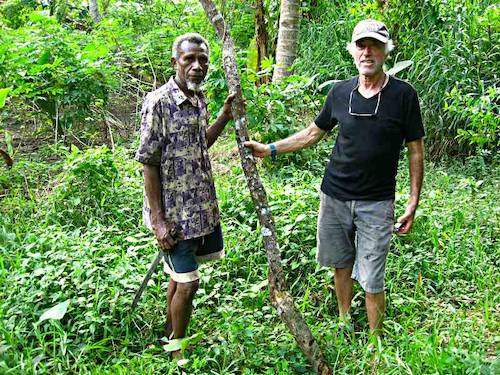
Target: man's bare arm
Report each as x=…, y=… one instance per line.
x=164, y=232
x=302, y=139
x=416, y=165
x=218, y=126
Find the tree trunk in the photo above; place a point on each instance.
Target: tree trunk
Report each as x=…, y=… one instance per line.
x=261, y=37
x=278, y=290
x=288, y=38
x=94, y=11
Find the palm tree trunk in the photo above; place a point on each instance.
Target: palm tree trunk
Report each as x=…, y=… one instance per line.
x=94, y=11
x=288, y=38
x=278, y=289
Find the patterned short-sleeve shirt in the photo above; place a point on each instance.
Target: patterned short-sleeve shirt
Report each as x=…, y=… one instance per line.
x=174, y=137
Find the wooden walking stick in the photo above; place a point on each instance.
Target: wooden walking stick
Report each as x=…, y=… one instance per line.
x=280, y=296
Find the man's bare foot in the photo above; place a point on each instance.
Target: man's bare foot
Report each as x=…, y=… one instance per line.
x=179, y=359
x=177, y=355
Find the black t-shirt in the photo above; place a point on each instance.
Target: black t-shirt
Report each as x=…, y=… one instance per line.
x=364, y=161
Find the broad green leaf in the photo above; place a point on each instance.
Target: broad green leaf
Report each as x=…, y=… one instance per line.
x=256, y=287
x=173, y=345
x=399, y=66
x=252, y=55
x=42, y=17
x=93, y=52
x=74, y=149
x=133, y=239
x=44, y=58
x=3, y=95
x=191, y=340
x=267, y=63
x=57, y=312
x=181, y=344
x=300, y=218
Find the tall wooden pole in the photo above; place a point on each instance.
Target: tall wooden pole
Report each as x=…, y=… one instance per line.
x=280, y=296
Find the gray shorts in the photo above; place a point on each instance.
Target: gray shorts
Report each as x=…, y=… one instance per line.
x=356, y=234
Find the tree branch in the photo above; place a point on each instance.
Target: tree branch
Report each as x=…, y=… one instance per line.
x=280, y=296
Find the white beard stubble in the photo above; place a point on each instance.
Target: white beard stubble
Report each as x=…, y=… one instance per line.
x=193, y=86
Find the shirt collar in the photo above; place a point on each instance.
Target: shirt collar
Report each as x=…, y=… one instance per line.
x=179, y=96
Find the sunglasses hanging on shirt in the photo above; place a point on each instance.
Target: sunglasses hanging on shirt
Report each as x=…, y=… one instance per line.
x=355, y=113
x=352, y=113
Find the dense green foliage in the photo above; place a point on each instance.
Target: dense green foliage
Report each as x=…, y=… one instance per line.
x=442, y=280
x=70, y=72
x=54, y=71
x=70, y=218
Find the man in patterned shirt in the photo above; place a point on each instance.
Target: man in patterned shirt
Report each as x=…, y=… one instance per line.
x=180, y=205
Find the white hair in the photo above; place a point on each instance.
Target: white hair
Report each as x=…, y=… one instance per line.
x=190, y=37
x=388, y=47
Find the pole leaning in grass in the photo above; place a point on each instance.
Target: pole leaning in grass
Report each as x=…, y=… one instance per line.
x=278, y=289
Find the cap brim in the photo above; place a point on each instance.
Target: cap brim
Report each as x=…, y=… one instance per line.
x=372, y=35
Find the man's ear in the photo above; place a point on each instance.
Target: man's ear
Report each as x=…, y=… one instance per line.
x=173, y=61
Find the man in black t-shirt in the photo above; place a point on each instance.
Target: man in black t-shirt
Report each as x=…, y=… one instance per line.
x=375, y=114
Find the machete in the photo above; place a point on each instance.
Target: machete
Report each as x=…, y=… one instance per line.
x=151, y=269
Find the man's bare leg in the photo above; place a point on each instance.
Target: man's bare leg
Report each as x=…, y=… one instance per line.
x=375, y=308
x=172, y=285
x=181, y=307
x=343, y=290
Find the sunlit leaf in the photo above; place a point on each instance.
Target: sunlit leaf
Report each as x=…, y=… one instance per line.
x=328, y=84
x=256, y=287
x=93, y=52
x=57, y=312
x=267, y=63
x=181, y=344
x=399, y=66
x=3, y=95
x=173, y=345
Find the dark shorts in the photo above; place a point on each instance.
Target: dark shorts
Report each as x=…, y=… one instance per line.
x=182, y=262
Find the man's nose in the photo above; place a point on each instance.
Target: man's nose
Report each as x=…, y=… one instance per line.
x=196, y=64
x=367, y=50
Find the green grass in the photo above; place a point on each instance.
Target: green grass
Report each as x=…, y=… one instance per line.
x=442, y=279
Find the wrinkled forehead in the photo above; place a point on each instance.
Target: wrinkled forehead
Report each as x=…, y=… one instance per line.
x=192, y=47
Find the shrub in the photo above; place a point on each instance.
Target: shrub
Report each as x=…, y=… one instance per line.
x=59, y=72
x=480, y=115
x=85, y=189
x=15, y=12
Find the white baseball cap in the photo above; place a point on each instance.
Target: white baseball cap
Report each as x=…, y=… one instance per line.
x=370, y=29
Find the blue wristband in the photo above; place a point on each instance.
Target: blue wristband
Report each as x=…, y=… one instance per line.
x=272, y=146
